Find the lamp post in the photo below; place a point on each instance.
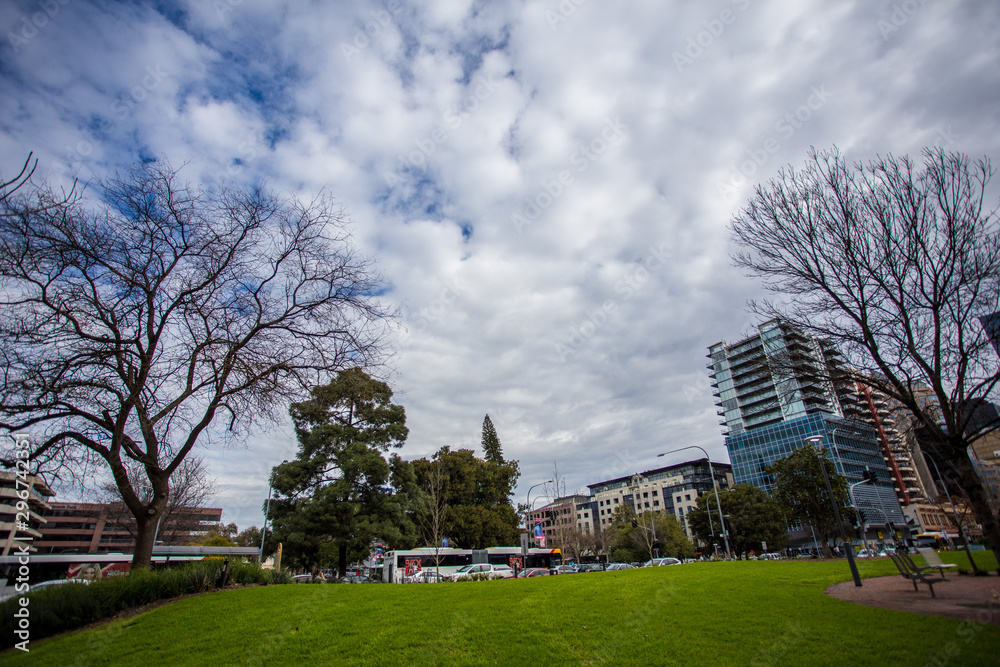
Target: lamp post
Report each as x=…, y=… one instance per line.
x=864, y=522
x=636, y=483
x=267, y=512
x=817, y=443
x=715, y=485
x=527, y=511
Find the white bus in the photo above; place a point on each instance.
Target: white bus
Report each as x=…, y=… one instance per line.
x=398, y=565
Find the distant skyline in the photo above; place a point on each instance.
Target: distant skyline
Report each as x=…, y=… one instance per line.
x=546, y=186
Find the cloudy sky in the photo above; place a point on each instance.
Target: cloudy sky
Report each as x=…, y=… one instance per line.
x=545, y=185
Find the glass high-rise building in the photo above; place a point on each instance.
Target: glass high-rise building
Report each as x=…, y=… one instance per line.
x=774, y=390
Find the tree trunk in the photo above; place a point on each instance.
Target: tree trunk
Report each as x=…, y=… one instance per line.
x=145, y=535
x=984, y=515
x=147, y=522
x=342, y=560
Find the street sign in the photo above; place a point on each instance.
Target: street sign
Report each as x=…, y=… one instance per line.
x=524, y=544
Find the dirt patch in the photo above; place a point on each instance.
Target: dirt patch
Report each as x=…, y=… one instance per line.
x=972, y=599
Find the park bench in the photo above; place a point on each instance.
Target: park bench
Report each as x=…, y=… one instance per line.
x=910, y=571
x=933, y=560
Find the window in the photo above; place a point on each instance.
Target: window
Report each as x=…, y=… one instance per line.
x=687, y=496
x=654, y=493
x=616, y=501
x=645, y=495
x=656, y=503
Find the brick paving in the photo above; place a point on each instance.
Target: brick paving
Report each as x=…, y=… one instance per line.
x=974, y=599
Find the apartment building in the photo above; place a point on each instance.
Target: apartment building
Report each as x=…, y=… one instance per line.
x=20, y=526
x=774, y=390
x=100, y=528
x=673, y=489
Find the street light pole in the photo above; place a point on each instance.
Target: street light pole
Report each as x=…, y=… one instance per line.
x=637, y=482
x=817, y=442
x=527, y=511
x=267, y=513
x=715, y=485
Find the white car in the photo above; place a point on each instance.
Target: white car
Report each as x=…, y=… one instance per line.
x=661, y=561
x=58, y=582
x=424, y=577
x=483, y=569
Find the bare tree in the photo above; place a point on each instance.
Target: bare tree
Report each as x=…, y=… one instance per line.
x=433, y=510
x=134, y=324
x=894, y=265
x=191, y=488
x=9, y=187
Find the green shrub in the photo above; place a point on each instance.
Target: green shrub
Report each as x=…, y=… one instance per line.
x=67, y=607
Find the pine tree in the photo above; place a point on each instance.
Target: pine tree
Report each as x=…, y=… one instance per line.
x=491, y=443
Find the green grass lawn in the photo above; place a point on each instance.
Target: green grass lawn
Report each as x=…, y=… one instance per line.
x=985, y=560
x=745, y=613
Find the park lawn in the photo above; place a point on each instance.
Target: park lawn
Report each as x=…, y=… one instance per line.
x=746, y=613
x=985, y=560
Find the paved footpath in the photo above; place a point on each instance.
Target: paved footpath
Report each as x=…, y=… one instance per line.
x=974, y=599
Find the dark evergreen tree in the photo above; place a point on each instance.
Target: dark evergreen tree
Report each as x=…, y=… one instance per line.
x=341, y=493
x=752, y=518
x=801, y=492
x=477, y=493
x=491, y=443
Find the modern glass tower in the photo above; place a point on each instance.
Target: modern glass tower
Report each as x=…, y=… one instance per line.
x=773, y=390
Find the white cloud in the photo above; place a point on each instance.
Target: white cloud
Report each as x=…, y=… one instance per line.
x=427, y=119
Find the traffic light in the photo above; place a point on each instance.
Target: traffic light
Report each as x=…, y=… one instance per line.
x=635, y=523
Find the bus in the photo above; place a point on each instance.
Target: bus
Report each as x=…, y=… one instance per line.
x=400, y=564
x=936, y=541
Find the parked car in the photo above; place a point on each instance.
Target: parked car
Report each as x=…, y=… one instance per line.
x=357, y=579
x=57, y=582
x=656, y=562
x=489, y=570
x=533, y=572
x=424, y=577
x=590, y=567
x=302, y=579
x=619, y=566
x=564, y=569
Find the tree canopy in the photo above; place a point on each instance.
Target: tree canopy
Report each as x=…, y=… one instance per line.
x=801, y=494
x=895, y=265
x=341, y=493
x=477, y=493
x=134, y=323
x=640, y=537
x=752, y=518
